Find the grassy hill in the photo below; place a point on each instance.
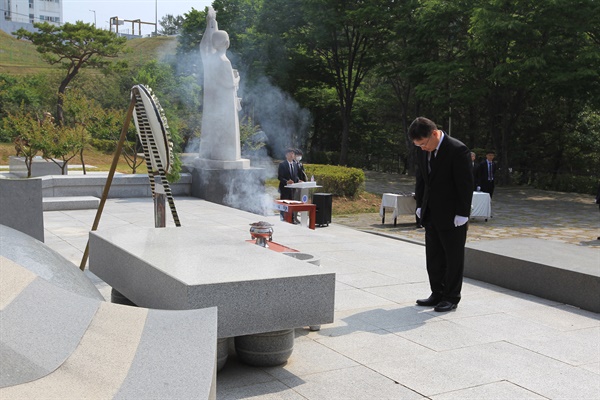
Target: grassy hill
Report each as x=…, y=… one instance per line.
x=19, y=57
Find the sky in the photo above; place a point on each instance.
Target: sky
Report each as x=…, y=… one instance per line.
x=79, y=10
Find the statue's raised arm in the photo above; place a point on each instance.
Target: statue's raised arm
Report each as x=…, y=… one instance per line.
x=206, y=45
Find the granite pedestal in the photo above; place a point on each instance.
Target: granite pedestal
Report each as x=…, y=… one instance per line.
x=256, y=290
x=238, y=188
x=552, y=270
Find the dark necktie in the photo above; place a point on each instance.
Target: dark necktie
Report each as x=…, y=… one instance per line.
x=490, y=172
x=431, y=160
x=291, y=170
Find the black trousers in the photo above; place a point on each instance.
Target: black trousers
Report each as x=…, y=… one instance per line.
x=445, y=252
x=488, y=187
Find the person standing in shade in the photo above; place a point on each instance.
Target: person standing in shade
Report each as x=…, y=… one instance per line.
x=486, y=173
x=287, y=173
x=474, y=167
x=444, y=190
x=302, y=177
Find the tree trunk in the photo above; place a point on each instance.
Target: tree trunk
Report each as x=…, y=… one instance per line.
x=60, y=116
x=82, y=161
x=60, y=101
x=28, y=162
x=345, y=138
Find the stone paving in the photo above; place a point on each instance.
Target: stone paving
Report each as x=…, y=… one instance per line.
x=498, y=344
x=517, y=211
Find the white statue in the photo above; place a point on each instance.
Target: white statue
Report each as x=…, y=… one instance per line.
x=220, y=138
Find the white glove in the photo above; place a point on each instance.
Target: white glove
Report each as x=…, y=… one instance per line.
x=460, y=221
x=418, y=212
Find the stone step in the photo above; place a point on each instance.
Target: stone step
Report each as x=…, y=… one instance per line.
x=70, y=203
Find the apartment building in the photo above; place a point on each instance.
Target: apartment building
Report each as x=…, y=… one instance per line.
x=17, y=14
x=30, y=11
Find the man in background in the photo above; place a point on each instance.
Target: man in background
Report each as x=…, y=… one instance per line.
x=444, y=191
x=474, y=167
x=287, y=173
x=486, y=173
x=302, y=177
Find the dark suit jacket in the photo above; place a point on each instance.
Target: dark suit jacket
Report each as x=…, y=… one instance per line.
x=301, y=172
x=283, y=174
x=482, y=172
x=448, y=190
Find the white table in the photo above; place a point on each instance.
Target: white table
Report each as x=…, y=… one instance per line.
x=403, y=204
x=481, y=206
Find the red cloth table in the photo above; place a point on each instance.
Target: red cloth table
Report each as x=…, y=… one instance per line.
x=290, y=208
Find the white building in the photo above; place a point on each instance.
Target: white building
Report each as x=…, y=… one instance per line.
x=30, y=11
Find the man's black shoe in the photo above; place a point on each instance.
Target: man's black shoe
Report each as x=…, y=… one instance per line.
x=444, y=306
x=429, y=302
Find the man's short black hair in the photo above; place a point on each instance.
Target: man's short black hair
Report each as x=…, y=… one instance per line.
x=298, y=152
x=421, y=128
x=289, y=150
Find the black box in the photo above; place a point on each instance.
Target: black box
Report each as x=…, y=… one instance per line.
x=323, y=201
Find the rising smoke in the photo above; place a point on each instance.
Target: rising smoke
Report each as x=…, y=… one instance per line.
x=281, y=118
x=283, y=123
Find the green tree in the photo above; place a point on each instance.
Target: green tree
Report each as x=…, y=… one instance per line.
x=192, y=29
x=64, y=143
x=31, y=91
x=80, y=111
x=29, y=132
x=345, y=38
x=426, y=67
x=73, y=47
x=170, y=25
x=531, y=57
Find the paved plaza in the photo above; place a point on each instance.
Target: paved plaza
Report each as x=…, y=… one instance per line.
x=498, y=344
x=518, y=211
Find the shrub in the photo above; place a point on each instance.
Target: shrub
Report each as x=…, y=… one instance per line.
x=339, y=181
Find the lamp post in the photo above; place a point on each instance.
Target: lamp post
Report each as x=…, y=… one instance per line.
x=94, y=11
x=155, y=17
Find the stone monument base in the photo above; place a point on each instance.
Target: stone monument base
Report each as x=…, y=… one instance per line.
x=241, y=188
x=205, y=163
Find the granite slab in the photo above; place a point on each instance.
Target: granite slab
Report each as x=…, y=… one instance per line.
x=255, y=290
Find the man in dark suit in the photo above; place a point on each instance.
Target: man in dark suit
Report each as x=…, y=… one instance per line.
x=444, y=191
x=474, y=168
x=302, y=177
x=287, y=173
x=486, y=173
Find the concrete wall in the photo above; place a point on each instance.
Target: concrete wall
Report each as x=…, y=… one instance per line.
x=39, y=167
x=21, y=206
x=10, y=26
x=122, y=186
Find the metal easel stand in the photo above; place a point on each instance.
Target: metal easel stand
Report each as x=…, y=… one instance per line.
x=109, y=179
